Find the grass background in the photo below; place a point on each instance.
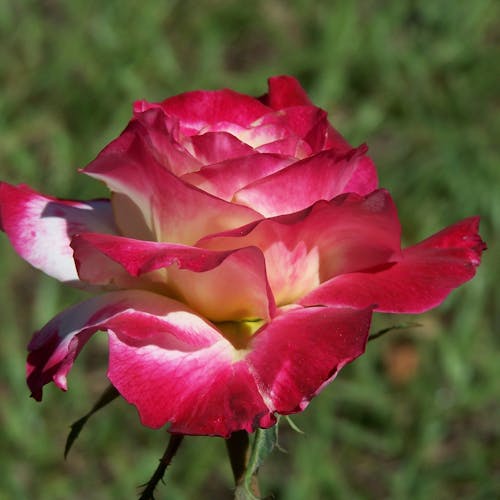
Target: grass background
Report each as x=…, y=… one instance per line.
x=417, y=416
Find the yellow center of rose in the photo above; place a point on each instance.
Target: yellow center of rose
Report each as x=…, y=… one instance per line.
x=239, y=333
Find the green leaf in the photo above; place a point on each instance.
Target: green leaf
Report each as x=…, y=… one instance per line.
x=106, y=397
x=263, y=444
x=293, y=425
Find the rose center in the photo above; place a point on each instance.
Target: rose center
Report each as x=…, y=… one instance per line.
x=239, y=333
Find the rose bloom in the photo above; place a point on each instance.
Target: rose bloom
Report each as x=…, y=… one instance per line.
x=241, y=254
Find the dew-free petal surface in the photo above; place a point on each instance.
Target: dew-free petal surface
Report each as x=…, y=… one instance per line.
x=222, y=286
x=319, y=177
x=40, y=227
x=421, y=280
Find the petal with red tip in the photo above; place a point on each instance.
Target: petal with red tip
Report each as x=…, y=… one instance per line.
x=176, y=367
x=167, y=361
x=170, y=147
x=40, y=227
x=423, y=278
x=207, y=391
x=307, y=122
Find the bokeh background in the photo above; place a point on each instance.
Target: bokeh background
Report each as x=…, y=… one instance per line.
x=418, y=416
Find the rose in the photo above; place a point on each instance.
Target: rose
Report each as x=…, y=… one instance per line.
x=242, y=253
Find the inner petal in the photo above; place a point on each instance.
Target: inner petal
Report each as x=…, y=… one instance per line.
x=294, y=270
x=255, y=135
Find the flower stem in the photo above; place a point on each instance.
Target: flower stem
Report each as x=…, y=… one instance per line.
x=238, y=448
x=173, y=445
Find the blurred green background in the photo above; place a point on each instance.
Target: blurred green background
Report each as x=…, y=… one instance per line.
x=418, y=416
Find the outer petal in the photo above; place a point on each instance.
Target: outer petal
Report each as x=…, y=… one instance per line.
x=152, y=203
x=40, y=228
x=424, y=277
x=223, y=286
x=206, y=392
x=175, y=367
x=171, y=364
x=320, y=177
x=300, y=352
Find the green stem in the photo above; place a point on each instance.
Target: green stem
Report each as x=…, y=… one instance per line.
x=238, y=448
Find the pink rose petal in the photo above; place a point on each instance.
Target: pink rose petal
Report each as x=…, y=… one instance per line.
x=206, y=391
x=307, y=122
x=216, y=147
x=54, y=348
x=176, y=367
x=423, y=278
x=170, y=147
x=293, y=147
x=320, y=177
x=199, y=109
x=222, y=286
x=154, y=204
x=225, y=178
x=286, y=91
x=304, y=249
x=40, y=227
x=300, y=352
